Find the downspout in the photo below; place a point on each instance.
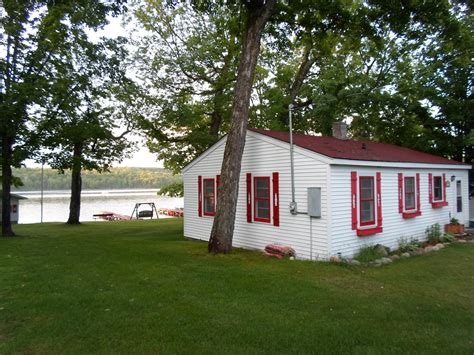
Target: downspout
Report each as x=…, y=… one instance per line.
x=311, y=238
x=293, y=205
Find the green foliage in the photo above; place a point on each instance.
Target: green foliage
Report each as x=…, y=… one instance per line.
x=398, y=73
x=34, y=53
x=89, y=110
x=175, y=189
x=433, y=233
x=187, y=60
x=454, y=221
x=448, y=238
x=38, y=44
x=367, y=254
x=139, y=287
x=116, y=178
x=406, y=245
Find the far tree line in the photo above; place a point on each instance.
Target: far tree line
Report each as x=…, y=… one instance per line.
x=117, y=178
x=190, y=72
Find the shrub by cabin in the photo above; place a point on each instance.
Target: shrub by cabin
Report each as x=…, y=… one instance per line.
x=364, y=193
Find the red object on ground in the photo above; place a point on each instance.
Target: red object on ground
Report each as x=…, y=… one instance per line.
x=273, y=255
x=279, y=251
x=173, y=212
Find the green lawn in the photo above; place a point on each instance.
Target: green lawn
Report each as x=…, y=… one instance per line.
x=139, y=287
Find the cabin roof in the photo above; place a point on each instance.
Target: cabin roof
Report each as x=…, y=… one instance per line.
x=357, y=150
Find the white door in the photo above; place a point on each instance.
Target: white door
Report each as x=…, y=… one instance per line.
x=458, y=202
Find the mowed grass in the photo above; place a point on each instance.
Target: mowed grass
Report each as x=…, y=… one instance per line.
x=139, y=287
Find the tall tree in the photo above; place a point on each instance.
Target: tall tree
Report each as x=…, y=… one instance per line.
x=258, y=14
x=37, y=35
x=186, y=59
x=89, y=115
x=446, y=74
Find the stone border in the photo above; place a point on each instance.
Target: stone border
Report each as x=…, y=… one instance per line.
x=390, y=259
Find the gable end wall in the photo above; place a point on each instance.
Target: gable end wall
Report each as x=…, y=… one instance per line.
x=262, y=158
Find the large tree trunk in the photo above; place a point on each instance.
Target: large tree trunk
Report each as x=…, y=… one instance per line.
x=216, y=120
x=7, y=152
x=76, y=185
x=220, y=241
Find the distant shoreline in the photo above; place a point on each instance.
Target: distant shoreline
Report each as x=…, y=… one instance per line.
x=34, y=194
x=116, y=179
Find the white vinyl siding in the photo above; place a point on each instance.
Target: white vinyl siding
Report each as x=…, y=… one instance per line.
x=345, y=241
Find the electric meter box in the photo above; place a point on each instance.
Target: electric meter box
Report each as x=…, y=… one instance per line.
x=314, y=202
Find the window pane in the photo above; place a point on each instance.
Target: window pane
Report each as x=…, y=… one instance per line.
x=367, y=193
x=367, y=188
x=409, y=201
x=409, y=184
x=367, y=211
x=209, y=185
x=209, y=204
x=262, y=209
x=209, y=198
x=437, y=188
x=366, y=182
x=262, y=188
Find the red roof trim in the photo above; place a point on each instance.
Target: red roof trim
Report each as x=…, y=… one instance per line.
x=357, y=150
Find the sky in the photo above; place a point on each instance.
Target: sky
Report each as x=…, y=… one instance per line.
x=140, y=159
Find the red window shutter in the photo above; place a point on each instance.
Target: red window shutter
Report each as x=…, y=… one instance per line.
x=444, y=189
x=379, y=199
x=418, y=198
x=276, y=200
x=249, y=198
x=200, y=196
x=430, y=187
x=400, y=192
x=218, y=182
x=354, y=199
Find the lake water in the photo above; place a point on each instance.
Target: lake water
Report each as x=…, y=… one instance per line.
x=56, y=203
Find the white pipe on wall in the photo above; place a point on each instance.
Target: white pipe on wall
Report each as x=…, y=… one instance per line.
x=293, y=205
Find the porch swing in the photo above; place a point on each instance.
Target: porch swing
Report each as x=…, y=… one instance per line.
x=144, y=213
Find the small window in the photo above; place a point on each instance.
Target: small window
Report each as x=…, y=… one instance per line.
x=410, y=203
x=367, y=201
x=262, y=199
x=209, y=197
x=458, y=196
x=437, y=188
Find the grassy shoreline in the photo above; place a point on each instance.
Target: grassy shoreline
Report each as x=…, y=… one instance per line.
x=140, y=287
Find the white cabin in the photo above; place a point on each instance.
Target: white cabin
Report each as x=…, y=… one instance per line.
x=370, y=193
x=14, y=207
